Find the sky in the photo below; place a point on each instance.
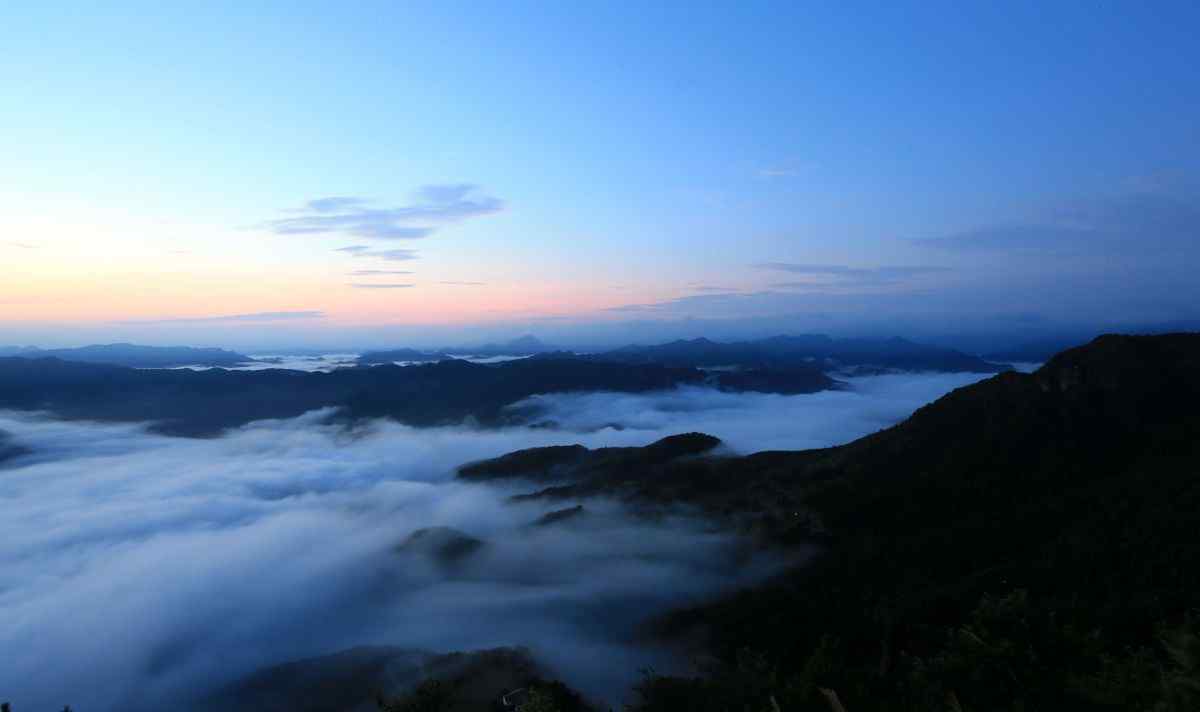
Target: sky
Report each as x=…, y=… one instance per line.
x=380, y=174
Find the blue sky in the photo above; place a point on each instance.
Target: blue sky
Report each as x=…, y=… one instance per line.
x=579, y=168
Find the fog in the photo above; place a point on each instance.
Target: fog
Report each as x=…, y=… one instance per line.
x=749, y=422
x=141, y=569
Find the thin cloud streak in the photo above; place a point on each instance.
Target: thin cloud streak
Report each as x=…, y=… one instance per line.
x=435, y=206
x=846, y=271
x=232, y=318
x=1130, y=223
x=395, y=255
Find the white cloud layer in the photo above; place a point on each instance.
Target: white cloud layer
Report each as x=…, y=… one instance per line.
x=138, y=568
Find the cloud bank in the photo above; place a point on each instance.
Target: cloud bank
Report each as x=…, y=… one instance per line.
x=750, y=422
x=142, y=571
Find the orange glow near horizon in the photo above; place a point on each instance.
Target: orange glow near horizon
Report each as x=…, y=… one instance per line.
x=123, y=269
x=72, y=294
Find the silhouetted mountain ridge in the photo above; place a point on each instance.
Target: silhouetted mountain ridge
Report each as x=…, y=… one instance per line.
x=815, y=351
x=527, y=345
x=136, y=356
x=206, y=402
x=1050, y=515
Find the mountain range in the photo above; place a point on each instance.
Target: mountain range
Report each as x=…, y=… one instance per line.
x=1023, y=543
x=202, y=403
x=135, y=356
x=527, y=345
x=1027, y=542
x=813, y=351
x=808, y=351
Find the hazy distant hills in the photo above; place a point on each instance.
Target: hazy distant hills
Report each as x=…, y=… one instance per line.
x=521, y=346
x=1026, y=542
x=812, y=351
x=527, y=345
x=205, y=402
x=391, y=356
x=86, y=383
x=135, y=356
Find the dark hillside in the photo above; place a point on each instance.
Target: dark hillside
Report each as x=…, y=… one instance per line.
x=136, y=356
x=1027, y=542
x=203, y=403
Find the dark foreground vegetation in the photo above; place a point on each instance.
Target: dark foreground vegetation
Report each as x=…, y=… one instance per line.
x=1026, y=543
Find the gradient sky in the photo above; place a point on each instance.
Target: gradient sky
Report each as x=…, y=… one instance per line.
x=254, y=174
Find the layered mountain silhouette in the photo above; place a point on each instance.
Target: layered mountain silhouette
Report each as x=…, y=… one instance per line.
x=403, y=355
x=811, y=350
x=1051, y=516
x=135, y=356
x=527, y=345
x=184, y=402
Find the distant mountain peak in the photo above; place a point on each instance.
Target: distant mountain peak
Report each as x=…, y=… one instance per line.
x=527, y=341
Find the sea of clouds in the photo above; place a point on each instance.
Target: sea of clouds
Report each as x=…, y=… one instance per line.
x=139, y=570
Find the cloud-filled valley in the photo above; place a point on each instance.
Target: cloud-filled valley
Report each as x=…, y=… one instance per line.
x=143, y=569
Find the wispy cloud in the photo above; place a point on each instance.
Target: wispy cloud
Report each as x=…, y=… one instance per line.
x=694, y=301
x=847, y=271
x=1129, y=223
x=22, y=245
x=333, y=204
x=433, y=207
x=377, y=272
x=1010, y=237
x=396, y=255
x=785, y=167
x=465, y=284
x=233, y=318
x=368, y=285
x=810, y=281
x=827, y=276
